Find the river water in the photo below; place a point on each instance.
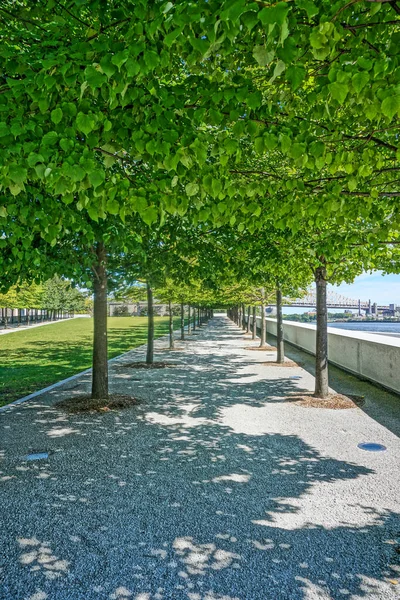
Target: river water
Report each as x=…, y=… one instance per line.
x=392, y=329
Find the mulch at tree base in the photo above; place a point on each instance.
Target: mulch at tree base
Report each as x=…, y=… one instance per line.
x=287, y=363
x=262, y=349
x=84, y=403
x=333, y=402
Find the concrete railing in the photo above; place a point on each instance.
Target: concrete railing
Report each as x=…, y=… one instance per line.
x=367, y=355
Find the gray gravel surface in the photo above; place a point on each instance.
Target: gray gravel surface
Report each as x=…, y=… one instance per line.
x=215, y=487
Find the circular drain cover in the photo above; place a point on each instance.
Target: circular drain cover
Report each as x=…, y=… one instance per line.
x=371, y=447
x=37, y=456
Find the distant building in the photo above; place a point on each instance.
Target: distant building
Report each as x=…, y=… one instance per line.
x=136, y=309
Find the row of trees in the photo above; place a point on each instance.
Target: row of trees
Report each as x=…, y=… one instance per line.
x=237, y=150
x=55, y=295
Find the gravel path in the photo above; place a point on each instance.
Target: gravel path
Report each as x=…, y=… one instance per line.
x=214, y=488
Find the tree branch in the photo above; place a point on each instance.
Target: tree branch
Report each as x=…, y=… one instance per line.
x=17, y=18
x=72, y=15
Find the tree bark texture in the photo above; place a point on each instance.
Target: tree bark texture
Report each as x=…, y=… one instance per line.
x=100, y=362
x=182, y=321
x=171, y=327
x=321, y=354
x=150, y=325
x=254, y=323
x=280, y=346
x=263, y=341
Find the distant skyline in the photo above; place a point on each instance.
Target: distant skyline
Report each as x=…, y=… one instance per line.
x=382, y=289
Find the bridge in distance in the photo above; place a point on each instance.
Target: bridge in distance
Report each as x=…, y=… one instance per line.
x=338, y=301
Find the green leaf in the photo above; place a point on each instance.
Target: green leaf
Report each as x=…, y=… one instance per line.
x=254, y=100
x=352, y=184
x=259, y=145
x=279, y=68
x=16, y=129
x=17, y=173
x=132, y=67
x=66, y=145
x=93, y=213
x=275, y=14
x=390, y=106
x=119, y=59
x=56, y=115
x=85, y=123
x=151, y=59
x=295, y=75
x=94, y=77
x=262, y=56
x=308, y=6
x=34, y=158
x=107, y=66
x=339, y=91
x=3, y=211
x=270, y=141
x=112, y=207
x=50, y=138
x=317, y=149
x=192, y=189
x=43, y=105
x=360, y=80
x=96, y=177
x=4, y=130
x=74, y=172
x=167, y=7
x=233, y=11
x=149, y=215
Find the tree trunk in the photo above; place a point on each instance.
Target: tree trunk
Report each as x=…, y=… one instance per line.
x=100, y=362
x=182, y=321
x=280, y=346
x=150, y=326
x=263, y=341
x=27, y=317
x=254, y=324
x=248, y=319
x=194, y=318
x=189, y=320
x=321, y=354
x=171, y=327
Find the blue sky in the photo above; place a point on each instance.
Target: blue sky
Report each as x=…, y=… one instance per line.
x=382, y=289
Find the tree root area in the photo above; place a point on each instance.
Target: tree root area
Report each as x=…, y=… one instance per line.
x=333, y=401
x=287, y=363
x=84, y=403
x=261, y=349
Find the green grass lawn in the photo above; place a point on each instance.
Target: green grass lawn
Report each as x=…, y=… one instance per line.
x=33, y=359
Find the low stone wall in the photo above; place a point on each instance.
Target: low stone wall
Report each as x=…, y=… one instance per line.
x=374, y=357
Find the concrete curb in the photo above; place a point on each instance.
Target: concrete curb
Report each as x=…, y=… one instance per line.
x=72, y=378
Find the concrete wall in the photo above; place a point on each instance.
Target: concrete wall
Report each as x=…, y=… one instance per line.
x=367, y=355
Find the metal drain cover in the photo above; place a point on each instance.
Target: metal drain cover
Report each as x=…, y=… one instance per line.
x=37, y=456
x=371, y=447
